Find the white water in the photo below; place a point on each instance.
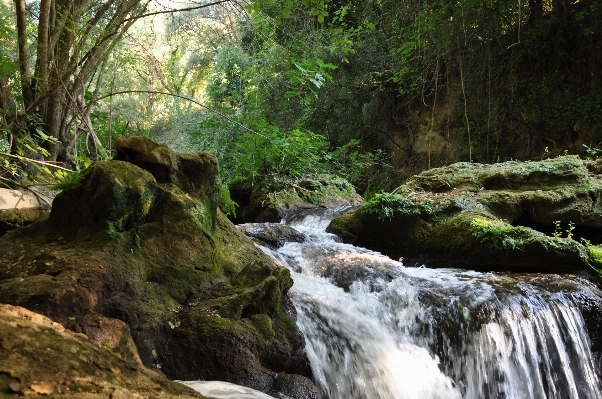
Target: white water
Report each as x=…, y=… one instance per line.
x=376, y=329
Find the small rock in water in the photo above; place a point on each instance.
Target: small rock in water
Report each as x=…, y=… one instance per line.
x=273, y=233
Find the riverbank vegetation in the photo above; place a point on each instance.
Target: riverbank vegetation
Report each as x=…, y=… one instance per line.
x=374, y=91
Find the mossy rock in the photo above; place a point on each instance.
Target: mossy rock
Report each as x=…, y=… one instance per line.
x=130, y=255
x=519, y=216
x=11, y=219
x=40, y=357
x=272, y=198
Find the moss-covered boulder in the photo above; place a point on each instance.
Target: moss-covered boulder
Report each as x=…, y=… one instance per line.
x=529, y=216
x=147, y=266
x=274, y=197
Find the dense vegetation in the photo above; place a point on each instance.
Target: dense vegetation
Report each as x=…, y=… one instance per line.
x=301, y=86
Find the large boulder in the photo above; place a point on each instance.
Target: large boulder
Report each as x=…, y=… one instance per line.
x=272, y=198
x=520, y=216
x=41, y=357
x=139, y=258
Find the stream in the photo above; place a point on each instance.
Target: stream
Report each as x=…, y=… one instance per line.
x=377, y=329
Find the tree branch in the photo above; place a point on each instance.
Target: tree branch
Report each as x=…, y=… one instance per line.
x=226, y=117
x=173, y=11
x=25, y=159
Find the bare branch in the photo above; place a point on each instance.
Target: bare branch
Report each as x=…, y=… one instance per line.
x=178, y=10
x=25, y=159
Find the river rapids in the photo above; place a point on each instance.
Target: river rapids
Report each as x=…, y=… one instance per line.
x=377, y=329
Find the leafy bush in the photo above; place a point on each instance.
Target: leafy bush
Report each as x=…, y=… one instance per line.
x=386, y=206
x=68, y=181
x=228, y=206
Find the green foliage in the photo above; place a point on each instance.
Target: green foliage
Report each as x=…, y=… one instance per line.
x=595, y=250
x=68, y=181
x=308, y=75
x=114, y=233
x=593, y=153
x=388, y=206
x=558, y=230
x=284, y=9
x=272, y=151
x=228, y=206
x=498, y=235
x=227, y=80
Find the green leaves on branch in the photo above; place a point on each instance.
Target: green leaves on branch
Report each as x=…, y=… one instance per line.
x=308, y=74
x=286, y=8
x=273, y=151
x=68, y=181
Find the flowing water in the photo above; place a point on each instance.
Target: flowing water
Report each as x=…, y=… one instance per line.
x=377, y=329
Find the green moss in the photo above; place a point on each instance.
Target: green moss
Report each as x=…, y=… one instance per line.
x=346, y=226
x=596, y=255
x=203, y=216
x=498, y=235
x=263, y=324
x=114, y=233
x=387, y=206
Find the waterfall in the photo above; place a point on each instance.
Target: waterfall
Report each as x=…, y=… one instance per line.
x=377, y=329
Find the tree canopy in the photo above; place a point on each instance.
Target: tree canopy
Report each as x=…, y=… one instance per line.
x=269, y=86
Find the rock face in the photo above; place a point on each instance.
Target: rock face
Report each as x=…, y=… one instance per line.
x=520, y=216
x=271, y=199
x=140, y=259
x=41, y=357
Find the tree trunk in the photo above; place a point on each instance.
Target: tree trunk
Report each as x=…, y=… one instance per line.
x=535, y=10
x=26, y=89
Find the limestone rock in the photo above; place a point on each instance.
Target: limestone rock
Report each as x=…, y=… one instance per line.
x=510, y=216
x=195, y=174
x=41, y=357
x=273, y=198
x=142, y=259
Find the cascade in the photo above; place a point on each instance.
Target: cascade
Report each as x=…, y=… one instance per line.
x=377, y=329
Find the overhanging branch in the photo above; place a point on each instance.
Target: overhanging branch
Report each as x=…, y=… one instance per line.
x=150, y=14
x=226, y=117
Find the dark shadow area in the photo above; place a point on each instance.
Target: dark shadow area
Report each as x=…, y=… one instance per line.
x=593, y=234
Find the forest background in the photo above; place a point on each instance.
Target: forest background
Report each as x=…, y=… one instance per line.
x=372, y=90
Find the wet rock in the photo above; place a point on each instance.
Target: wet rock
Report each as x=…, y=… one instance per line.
x=272, y=233
x=142, y=259
x=518, y=216
x=273, y=198
x=294, y=387
x=343, y=269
